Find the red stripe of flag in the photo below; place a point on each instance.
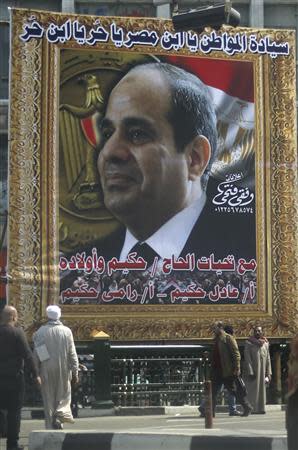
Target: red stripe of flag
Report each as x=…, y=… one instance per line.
x=233, y=77
x=88, y=129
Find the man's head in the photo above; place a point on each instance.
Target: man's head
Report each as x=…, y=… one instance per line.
x=53, y=312
x=9, y=315
x=218, y=328
x=229, y=329
x=158, y=143
x=258, y=332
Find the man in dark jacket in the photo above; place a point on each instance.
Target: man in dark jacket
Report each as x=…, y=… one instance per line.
x=225, y=368
x=231, y=395
x=14, y=352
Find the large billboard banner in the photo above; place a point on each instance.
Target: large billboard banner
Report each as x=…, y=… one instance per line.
x=151, y=171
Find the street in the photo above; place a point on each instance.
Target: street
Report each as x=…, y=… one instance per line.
x=272, y=424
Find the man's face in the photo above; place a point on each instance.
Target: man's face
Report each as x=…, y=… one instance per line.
x=258, y=332
x=140, y=168
x=216, y=329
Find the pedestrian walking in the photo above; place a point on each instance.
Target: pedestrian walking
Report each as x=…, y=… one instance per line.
x=257, y=369
x=55, y=352
x=292, y=396
x=232, y=407
x=225, y=368
x=14, y=354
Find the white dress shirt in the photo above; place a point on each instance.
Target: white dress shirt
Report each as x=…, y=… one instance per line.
x=171, y=237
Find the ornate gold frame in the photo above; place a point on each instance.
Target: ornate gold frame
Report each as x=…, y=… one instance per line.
x=33, y=206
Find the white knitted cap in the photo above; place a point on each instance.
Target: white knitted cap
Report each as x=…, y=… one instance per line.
x=53, y=312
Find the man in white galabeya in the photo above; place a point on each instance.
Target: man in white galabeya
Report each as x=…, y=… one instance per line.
x=57, y=359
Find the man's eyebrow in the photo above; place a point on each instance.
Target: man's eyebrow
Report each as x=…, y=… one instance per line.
x=130, y=122
x=139, y=122
x=105, y=122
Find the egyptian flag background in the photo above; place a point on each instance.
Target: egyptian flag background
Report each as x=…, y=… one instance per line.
x=231, y=85
x=233, y=77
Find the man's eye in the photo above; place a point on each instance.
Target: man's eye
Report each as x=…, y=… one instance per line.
x=138, y=136
x=106, y=133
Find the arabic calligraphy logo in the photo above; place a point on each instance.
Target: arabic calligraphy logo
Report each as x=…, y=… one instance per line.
x=232, y=196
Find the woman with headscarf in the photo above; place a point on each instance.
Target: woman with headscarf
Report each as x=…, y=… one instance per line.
x=57, y=359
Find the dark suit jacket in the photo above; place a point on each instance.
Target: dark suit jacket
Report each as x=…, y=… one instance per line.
x=222, y=235
x=219, y=232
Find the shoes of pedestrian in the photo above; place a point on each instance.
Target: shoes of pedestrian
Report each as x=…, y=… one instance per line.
x=202, y=411
x=235, y=413
x=57, y=425
x=68, y=420
x=247, y=411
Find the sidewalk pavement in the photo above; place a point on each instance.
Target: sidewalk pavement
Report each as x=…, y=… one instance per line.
x=37, y=413
x=175, y=428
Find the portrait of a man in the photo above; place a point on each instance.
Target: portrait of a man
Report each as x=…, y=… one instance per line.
x=158, y=141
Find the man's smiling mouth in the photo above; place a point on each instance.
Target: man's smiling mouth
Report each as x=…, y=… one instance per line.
x=118, y=179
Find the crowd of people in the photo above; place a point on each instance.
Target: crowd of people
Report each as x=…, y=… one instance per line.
x=54, y=366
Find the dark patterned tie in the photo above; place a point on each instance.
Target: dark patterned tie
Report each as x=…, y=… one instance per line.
x=145, y=251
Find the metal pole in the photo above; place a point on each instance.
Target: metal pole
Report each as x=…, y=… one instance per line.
x=208, y=405
x=277, y=375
